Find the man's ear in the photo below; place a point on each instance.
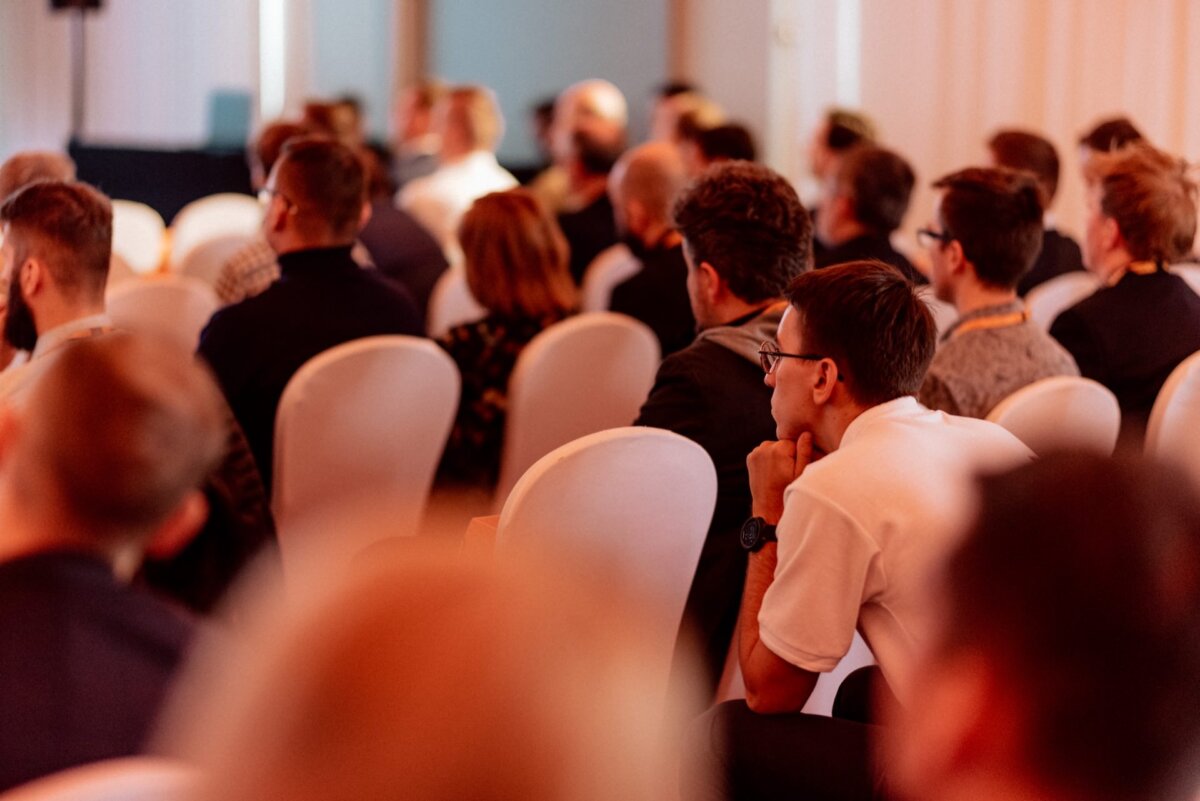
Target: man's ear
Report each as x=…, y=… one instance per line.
x=364, y=216
x=955, y=256
x=174, y=533
x=32, y=276
x=1111, y=236
x=826, y=381
x=709, y=282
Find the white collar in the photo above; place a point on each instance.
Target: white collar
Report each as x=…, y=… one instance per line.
x=56, y=336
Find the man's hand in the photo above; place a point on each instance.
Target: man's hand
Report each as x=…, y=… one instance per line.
x=772, y=466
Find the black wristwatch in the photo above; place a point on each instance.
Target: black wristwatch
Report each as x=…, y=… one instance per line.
x=757, y=532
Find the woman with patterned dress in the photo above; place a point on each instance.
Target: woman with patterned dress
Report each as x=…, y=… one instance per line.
x=517, y=267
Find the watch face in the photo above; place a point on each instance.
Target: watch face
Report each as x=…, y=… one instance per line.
x=752, y=533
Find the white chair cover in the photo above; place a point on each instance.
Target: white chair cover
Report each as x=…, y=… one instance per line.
x=1174, y=426
x=207, y=258
x=172, y=306
x=1061, y=413
x=451, y=303
x=119, y=271
x=210, y=217
x=126, y=779
x=631, y=504
x=138, y=233
x=1047, y=300
x=610, y=267
x=360, y=430
x=588, y=373
x=731, y=685
x=1189, y=273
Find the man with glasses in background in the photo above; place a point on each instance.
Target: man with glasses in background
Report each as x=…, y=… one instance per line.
x=854, y=504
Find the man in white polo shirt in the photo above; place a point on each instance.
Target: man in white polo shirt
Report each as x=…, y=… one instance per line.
x=858, y=531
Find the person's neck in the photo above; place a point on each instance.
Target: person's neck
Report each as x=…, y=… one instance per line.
x=449, y=156
x=839, y=414
x=29, y=529
x=972, y=296
x=53, y=314
x=298, y=245
x=842, y=231
x=586, y=188
x=1112, y=263
x=730, y=309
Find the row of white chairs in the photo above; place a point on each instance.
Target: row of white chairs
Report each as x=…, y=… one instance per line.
x=140, y=236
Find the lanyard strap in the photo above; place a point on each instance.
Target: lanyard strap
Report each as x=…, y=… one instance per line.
x=992, y=321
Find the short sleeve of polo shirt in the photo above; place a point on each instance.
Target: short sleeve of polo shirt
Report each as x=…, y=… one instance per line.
x=825, y=569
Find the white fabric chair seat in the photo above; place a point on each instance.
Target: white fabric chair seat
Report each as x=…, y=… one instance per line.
x=1061, y=413
x=138, y=235
x=1174, y=426
x=451, y=303
x=172, y=306
x=1047, y=300
x=224, y=214
x=126, y=779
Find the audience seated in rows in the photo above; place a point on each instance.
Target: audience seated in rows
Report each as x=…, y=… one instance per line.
x=1064, y=658
x=99, y=469
x=841, y=130
x=516, y=263
x=469, y=127
x=988, y=230
x=416, y=142
x=1022, y=150
x=745, y=235
x=862, y=204
x=317, y=205
x=1145, y=320
x=643, y=186
x=868, y=490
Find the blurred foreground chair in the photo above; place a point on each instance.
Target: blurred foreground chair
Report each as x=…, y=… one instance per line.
x=1189, y=273
x=360, y=430
x=210, y=217
x=633, y=504
x=451, y=303
x=1062, y=413
x=1047, y=300
x=944, y=314
x=1174, y=426
x=168, y=305
x=138, y=235
x=585, y=374
x=205, y=260
x=127, y=779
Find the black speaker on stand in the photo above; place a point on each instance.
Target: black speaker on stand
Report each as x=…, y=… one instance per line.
x=78, y=57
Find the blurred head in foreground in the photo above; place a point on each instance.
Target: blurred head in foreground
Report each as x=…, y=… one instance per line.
x=428, y=675
x=1068, y=662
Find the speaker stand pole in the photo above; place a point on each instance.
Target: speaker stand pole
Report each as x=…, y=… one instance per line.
x=78, y=73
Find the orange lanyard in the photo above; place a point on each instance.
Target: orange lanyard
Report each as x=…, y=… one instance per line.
x=992, y=321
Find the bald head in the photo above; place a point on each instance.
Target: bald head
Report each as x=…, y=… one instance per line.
x=125, y=428
x=31, y=166
x=644, y=184
x=595, y=108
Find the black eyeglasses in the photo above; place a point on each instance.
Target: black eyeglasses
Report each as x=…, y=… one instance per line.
x=769, y=355
x=927, y=236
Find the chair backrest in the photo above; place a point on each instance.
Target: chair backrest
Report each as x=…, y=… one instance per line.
x=138, y=235
x=612, y=266
x=209, y=217
x=119, y=271
x=587, y=373
x=1060, y=413
x=633, y=504
x=361, y=425
x=451, y=303
x=1175, y=418
x=205, y=260
x=173, y=306
x=125, y=779
x=1189, y=273
x=944, y=314
x=1047, y=300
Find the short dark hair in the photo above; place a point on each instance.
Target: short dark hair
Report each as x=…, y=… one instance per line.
x=1023, y=150
x=1112, y=134
x=732, y=142
x=879, y=183
x=868, y=318
x=1080, y=581
x=672, y=88
x=269, y=145
x=996, y=215
x=746, y=221
x=846, y=129
x=68, y=224
x=596, y=154
x=326, y=180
